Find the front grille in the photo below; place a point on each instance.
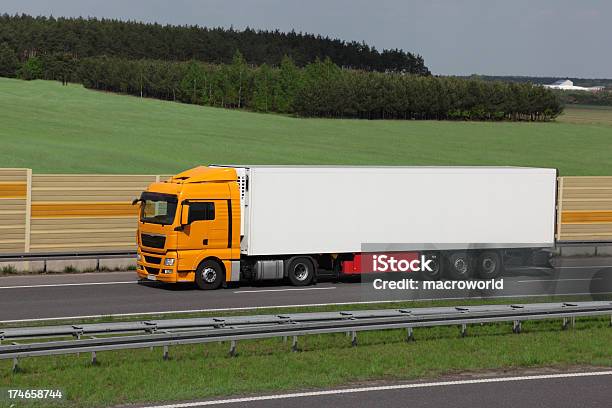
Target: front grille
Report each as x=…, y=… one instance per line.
x=152, y=259
x=153, y=241
x=151, y=270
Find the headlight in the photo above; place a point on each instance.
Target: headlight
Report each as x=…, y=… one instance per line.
x=138, y=257
x=169, y=261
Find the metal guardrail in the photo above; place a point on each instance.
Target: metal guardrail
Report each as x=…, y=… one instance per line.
x=165, y=333
x=49, y=256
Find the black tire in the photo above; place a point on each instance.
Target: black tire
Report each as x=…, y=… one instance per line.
x=300, y=271
x=436, y=265
x=460, y=266
x=490, y=265
x=209, y=275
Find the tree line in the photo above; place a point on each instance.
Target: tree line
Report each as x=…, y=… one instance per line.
x=89, y=37
x=599, y=98
x=359, y=86
x=321, y=89
x=586, y=82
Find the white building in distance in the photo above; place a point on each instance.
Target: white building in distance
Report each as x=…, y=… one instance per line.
x=567, y=85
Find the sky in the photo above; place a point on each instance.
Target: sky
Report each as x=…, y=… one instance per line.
x=564, y=38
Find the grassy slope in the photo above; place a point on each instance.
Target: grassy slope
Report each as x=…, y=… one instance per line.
x=55, y=129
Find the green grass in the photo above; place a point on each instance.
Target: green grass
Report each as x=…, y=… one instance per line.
x=587, y=114
x=68, y=129
x=262, y=366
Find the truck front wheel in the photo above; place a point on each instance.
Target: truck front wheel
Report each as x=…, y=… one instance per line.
x=300, y=271
x=209, y=275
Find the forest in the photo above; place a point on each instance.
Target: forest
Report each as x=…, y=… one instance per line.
x=89, y=37
x=321, y=89
x=313, y=77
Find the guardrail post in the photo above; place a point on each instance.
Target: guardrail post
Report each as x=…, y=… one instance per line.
x=573, y=321
x=516, y=326
x=285, y=339
x=294, y=344
x=15, y=365
x=409, y=334
x=94, y=358
x=232, y=351
x=565, y=324
x=353, y=338
x=166, y=356
x=463, y=330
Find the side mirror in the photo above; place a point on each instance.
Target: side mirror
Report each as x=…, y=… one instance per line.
x=184, y=214
x=184, y=217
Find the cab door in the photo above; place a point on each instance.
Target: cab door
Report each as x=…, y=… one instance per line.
x=208, y=228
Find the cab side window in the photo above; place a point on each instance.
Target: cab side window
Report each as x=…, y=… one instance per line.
x=201, y=212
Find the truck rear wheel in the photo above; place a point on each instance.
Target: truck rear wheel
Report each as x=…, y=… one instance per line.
x=209, y=275
x=460, y=266
x=435, y=265
x=300, y=271
x=489, y=265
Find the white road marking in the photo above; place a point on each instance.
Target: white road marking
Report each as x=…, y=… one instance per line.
x=545, y=268
x=558, y=280
x=266, y=290
x=380, y=388
x=282, y=290
x=578, y=267
x=53, y=285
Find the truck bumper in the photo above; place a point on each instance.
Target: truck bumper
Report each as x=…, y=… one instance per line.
x=161, y=277
x=151, y=266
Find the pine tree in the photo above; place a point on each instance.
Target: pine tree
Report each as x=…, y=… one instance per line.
x=8, y=61
x=238, y=80
x=262, y=89
x=193, y=83
x=287, y=85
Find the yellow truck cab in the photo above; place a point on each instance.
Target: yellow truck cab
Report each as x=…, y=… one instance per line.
x=217, y=224
x=190, y=223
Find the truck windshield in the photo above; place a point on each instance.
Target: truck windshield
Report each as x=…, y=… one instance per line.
x=158, y=208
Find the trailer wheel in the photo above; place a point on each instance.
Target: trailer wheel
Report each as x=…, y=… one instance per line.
x=460, y=266
x=435, y=265
x=489, y=265
x=209, y=275
x=300, y=271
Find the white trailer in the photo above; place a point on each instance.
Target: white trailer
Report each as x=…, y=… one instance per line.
x=459, y=213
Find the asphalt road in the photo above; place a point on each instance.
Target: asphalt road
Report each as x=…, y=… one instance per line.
x=56, y=296
x=552, y=391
